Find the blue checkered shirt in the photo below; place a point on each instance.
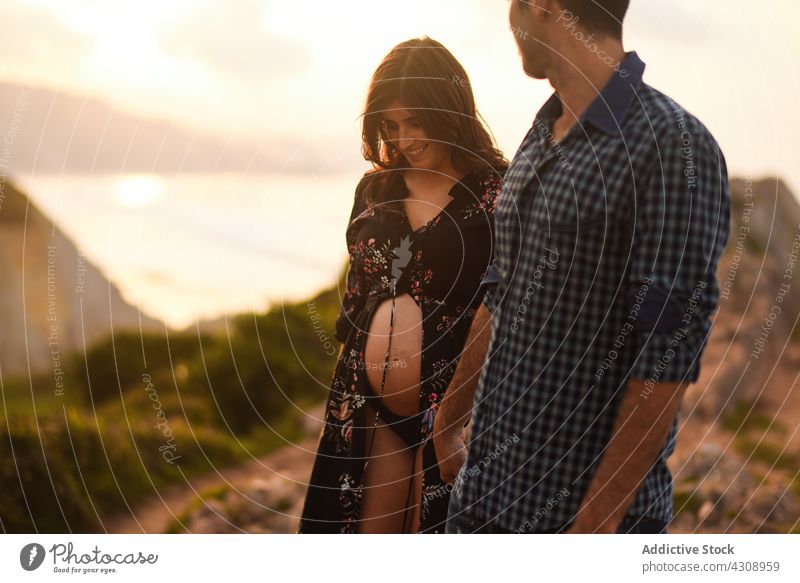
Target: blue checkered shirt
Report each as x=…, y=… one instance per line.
x=607, y=243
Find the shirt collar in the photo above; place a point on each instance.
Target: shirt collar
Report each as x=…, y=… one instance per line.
x=607, y=112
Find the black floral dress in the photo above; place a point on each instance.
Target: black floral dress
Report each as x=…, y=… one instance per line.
x=441, y=266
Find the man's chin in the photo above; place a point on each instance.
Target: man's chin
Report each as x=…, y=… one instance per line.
x=533, y=72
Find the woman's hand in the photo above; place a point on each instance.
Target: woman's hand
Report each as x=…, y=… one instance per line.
x=451, y=453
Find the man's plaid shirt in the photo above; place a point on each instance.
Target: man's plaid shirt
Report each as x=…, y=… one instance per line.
x=607, y=244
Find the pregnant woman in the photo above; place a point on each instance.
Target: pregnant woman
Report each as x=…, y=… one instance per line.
x=420, y=241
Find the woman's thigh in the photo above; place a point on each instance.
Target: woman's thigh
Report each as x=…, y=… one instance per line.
x=388, y=492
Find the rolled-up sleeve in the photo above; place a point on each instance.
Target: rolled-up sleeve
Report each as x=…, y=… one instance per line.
x=682, y=224
x=488, y=286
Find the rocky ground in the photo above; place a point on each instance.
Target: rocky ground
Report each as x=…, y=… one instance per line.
x=738, y=454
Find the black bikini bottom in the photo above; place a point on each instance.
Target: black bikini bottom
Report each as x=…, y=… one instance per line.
x=406, y=428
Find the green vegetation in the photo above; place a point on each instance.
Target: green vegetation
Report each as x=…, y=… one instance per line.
x=774, y=455
x=686, y=501
x=746, y=417
x=139, y=413
x=795, y=484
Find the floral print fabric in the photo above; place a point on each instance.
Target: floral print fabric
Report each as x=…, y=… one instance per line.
x=440, y=265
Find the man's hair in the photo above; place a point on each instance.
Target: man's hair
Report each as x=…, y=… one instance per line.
x=600, y=16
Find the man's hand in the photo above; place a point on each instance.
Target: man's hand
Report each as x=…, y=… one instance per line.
x=451, y=453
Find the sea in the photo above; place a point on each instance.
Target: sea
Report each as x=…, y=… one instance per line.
x=194, y=247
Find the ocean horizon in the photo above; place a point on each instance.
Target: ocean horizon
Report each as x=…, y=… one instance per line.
x=194, y=247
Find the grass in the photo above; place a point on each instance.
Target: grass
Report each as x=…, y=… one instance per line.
x=774, y=455
x=283, y=505
x=745, y=417
x=686, y=501
x=37, y=396
x=795, y=485
x=69, y=462
x=219, y=492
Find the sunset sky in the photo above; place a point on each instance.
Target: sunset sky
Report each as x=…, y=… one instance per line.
x=295, y=72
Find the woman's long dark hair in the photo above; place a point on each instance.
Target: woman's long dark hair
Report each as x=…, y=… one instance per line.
x=425, y=77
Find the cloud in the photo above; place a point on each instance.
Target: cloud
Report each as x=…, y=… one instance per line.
x=229, y=38
x=34, y=36
x=685, y=21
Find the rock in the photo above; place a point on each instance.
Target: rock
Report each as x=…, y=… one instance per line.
x=705, y=510
x=702, y=462
x=259, y=490
x=772, y=504
x=232, y=499
x=714, y=485
x=211, y=518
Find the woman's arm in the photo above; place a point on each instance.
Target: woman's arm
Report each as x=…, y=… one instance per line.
x=353, y=298
x=456, y=406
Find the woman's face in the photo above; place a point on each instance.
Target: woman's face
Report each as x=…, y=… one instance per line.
x=404, y=131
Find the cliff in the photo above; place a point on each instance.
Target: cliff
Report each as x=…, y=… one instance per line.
x=53, y=300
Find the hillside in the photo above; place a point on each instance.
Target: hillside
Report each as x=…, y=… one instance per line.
x=53, y=300
x=61, y=132
x=738, y=453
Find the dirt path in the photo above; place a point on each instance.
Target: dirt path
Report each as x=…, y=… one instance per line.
x=283, y=472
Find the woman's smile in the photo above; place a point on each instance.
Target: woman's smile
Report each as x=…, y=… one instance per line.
x=416, y=152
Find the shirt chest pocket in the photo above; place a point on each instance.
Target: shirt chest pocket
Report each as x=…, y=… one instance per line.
x=578, y=221
x=564, y=206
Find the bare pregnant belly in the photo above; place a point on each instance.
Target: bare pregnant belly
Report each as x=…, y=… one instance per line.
x=401, y=391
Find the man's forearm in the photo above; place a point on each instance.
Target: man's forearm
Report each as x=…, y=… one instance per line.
x=640, y=430
x=456, y=407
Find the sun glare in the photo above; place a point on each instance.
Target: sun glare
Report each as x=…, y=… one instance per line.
x=139, y=190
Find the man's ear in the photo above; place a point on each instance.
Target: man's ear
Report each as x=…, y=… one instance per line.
x=538, y=12
x=549, y=10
